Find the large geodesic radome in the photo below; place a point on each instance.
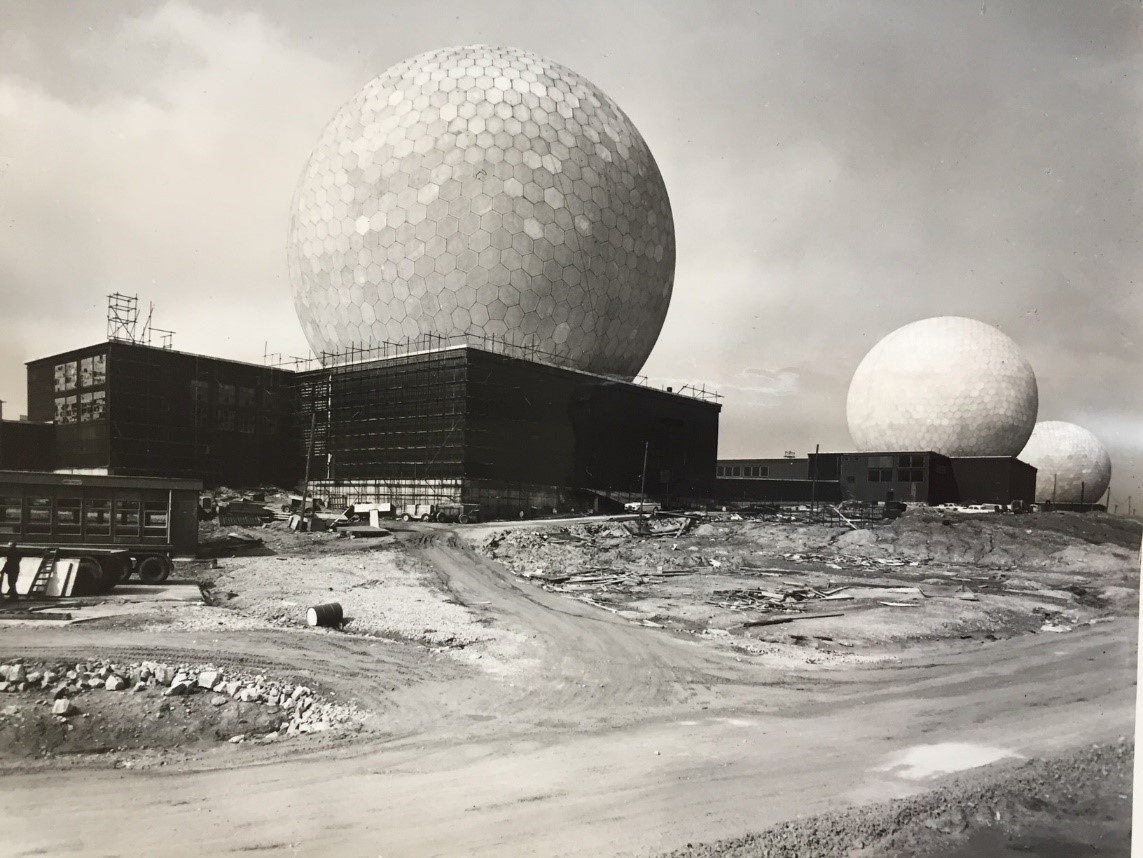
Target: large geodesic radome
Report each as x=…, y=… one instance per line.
x=488, y=192
x=1072, y=466
x=952, y=385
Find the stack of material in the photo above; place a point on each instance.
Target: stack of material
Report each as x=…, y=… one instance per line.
x=790, y=599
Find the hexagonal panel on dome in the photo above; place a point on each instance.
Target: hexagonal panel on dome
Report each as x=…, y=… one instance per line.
x=513, y=173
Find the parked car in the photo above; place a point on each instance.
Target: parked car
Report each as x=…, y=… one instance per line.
x=642, y=506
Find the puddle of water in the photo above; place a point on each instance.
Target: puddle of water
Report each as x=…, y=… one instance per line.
x=922, y=762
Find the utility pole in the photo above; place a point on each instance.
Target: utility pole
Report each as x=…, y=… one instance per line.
x=643, y=479
x=814, y=481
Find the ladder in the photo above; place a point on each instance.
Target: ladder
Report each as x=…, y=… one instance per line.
x=44, y=573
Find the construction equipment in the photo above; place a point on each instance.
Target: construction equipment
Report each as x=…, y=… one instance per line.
x=463, y=513
x=419, y=511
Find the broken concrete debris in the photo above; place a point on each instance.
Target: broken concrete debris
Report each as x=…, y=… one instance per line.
x=302, y=711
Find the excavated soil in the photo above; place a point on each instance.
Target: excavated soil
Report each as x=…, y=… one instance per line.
x=514, y=708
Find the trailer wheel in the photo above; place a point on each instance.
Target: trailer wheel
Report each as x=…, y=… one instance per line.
x=425, y=517
x=154, y=569
x=463, y=518
x=115, y=570
x=405, y=517
x=90, y=579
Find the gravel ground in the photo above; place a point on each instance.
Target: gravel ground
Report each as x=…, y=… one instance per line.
x=1075, y=804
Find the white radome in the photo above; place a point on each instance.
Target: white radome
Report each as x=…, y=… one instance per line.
x=1072, y=466
x=484, y=192
x=952, y=385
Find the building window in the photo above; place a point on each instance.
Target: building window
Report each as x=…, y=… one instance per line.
x=245, y=397
x=92, y=406
x=911, y=475
x=880, y=475
x=737, y=471
x=246, y=422
x=226, y=419
x=66, y=375
x=225, y=394
x=93, y=371
x=67, y=408
x=719, y=471
x=910, y=461
x=763, y=471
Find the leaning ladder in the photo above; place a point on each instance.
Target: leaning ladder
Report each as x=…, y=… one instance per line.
x=44, y=573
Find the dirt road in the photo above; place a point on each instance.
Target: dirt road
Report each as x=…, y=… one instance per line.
x=579, y=734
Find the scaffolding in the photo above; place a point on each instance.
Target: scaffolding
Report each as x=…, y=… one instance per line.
x=122, y=316
x=356, y=355
x=123, y=322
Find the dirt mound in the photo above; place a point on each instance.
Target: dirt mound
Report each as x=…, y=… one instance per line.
x=1080, y=803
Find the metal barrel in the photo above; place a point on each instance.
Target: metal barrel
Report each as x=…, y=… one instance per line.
x=329, y=614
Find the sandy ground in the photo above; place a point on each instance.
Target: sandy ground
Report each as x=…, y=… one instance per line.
x=510, y=719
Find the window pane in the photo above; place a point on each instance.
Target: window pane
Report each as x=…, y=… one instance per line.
x=155, y=517
x=85, y=372
x=99, y=369
x=67, y=515
x=97, y=517
x=10, y=514
x=39, y=515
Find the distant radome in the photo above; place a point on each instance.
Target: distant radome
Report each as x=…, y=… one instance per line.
x=486, y=192
x=1072, y=466
x=952, y=385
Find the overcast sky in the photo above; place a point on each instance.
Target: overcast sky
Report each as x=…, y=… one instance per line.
x=836, y=170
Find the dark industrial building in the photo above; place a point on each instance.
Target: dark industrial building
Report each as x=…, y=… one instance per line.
x=27, y=446
x=129, y=409
x=910, y=477
x=467, y=424
x=400, y=424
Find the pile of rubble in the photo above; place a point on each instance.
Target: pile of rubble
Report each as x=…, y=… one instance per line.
x=302, y=711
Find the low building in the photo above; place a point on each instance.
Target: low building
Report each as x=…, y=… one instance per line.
x=918, y=476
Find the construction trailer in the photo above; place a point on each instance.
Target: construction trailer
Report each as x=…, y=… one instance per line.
x=122, y=525
x=449, y=424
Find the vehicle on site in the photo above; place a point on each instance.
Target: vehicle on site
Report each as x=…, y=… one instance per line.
x=418, y=511
x=313, y=504
x=642, y=506
x=116, y=526
x=462, y=513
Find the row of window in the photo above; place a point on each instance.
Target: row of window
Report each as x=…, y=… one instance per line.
x=904, y=475
x=742, y=471
x=88, y=372
x=86, y=517
x=84, y=408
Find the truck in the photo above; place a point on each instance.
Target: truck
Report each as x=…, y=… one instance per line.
x=418, y=511
x=116, y=526
x=462, y=513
